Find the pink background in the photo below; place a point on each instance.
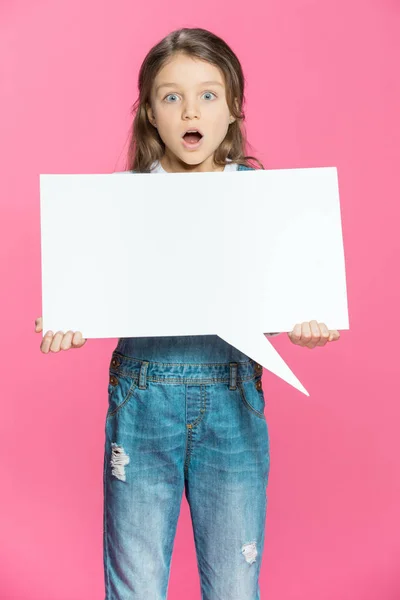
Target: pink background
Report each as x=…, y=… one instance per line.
x=323, y=89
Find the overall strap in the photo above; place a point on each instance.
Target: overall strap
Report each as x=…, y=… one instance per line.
x=244, y=168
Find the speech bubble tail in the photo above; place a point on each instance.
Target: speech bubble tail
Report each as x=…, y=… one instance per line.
x=256, y=346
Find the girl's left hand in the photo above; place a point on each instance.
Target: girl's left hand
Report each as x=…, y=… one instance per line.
x=312, y=334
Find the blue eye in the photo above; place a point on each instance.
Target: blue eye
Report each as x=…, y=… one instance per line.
x=166, y=97
x=210, y=93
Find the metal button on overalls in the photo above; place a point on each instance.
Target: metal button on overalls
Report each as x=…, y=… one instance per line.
x=259, y=384
x=113, y=380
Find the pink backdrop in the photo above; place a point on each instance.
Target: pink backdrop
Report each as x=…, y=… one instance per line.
x=323, y=89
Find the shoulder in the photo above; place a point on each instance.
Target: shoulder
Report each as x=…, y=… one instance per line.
x=122, y=172
x=240, y=168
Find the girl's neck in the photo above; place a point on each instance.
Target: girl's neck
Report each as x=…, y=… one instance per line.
x=177, y=166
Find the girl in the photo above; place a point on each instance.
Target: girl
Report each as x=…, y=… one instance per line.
x=186, y=413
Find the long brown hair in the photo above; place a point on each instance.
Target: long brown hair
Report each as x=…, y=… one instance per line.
x=146, y=145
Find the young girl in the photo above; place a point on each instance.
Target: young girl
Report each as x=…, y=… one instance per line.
x=186, y=413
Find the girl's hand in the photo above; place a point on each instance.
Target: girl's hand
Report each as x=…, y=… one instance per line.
x=59, y=341
x=312, y=334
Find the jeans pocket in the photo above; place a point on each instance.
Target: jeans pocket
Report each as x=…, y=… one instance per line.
x=253, y=396
x=120, y=391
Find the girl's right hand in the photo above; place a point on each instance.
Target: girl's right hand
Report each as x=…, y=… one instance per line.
x=59, y=341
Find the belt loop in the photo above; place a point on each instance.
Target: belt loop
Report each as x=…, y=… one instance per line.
x=143, y=375
x=232, y=375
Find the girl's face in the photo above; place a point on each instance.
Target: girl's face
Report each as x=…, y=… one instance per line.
x=189, y=93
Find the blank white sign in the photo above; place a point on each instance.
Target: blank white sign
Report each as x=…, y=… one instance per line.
x=235, y=254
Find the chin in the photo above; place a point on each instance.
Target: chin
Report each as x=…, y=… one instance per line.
x=192, y=159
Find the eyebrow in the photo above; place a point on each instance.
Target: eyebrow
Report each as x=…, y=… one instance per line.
x=176, y=85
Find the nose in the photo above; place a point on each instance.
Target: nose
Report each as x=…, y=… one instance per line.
x=191, y=111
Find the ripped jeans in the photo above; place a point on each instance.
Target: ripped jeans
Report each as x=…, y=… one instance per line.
x=176, y=421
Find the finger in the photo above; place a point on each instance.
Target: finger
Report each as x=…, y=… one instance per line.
x=324, y=334
x=315, y=333
x=56, y=343
x=295, y=335
x=334, y=335
x=306, y=336
x=38, y=325
x=77, y=340
x=66, y=341
x=46, y=342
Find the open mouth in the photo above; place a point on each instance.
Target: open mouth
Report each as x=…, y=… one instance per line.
x=192, y=137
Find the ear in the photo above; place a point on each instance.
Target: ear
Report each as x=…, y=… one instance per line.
x=150, y=114
x=236, y=103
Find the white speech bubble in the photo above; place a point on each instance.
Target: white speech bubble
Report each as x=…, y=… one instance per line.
x=235, y=254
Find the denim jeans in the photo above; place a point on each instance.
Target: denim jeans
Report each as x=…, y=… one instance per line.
x=184, y=414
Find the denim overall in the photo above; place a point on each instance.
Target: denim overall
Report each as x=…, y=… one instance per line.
x=185, y=413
